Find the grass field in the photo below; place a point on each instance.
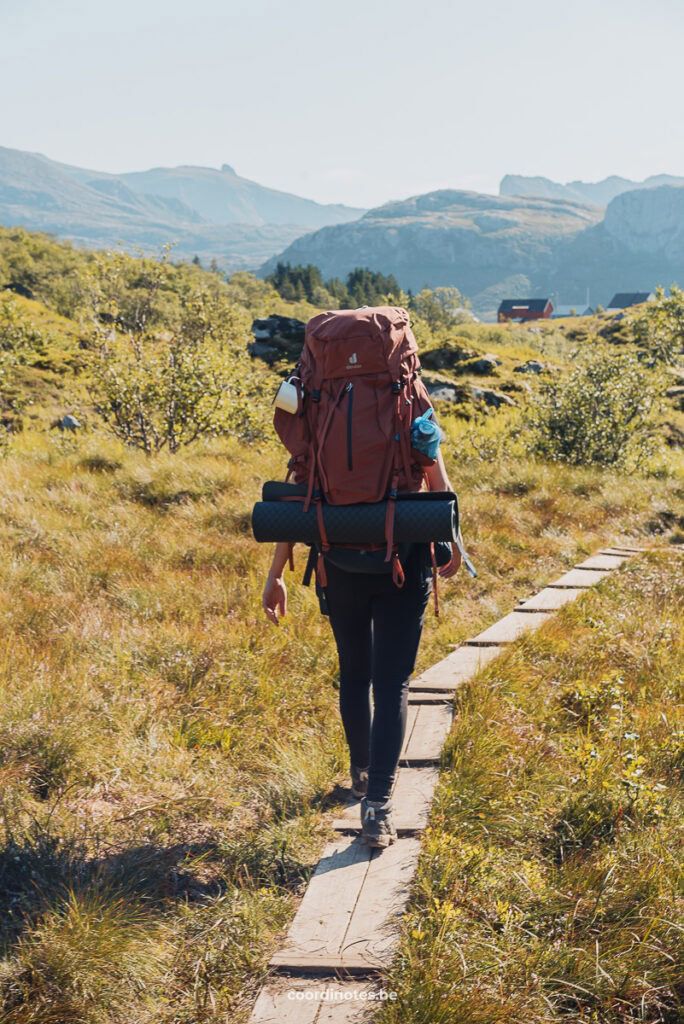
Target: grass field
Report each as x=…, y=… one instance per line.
x=166, y=756
x=550, y=882
x=168, y=759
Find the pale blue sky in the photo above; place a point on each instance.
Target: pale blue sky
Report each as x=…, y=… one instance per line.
x=355, y=102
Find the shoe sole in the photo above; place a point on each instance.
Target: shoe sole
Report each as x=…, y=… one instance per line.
x=379, y=842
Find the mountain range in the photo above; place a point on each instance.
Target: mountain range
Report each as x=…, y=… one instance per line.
x=537, y=237
x=494, y=247
x=215, y=214
x=599, y=193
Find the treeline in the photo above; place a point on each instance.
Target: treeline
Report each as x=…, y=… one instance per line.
x=362, y=287
x=438, y=307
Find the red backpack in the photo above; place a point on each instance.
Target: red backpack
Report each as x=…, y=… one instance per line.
x=358, y=393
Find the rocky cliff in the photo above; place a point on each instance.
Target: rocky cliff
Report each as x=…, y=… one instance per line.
x=448, y=237
x=493, y=246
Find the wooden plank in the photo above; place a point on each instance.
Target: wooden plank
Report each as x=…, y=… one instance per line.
x=427, y=737
x=307, y=1001
x=321, y=922
x=508, y=629
x=324, y=965
x=578, y=578
x=453, y=670
x=629, y=552
x=355, y=925
x=602, y=562
x=411, y=719
x=412, y=795
x=425, y=697
x=383, y=899
x=549, y=600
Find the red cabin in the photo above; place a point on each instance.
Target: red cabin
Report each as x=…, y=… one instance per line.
x=525, y=309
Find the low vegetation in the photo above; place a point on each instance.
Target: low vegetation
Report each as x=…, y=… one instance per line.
x=549, y=887
x=167, y=758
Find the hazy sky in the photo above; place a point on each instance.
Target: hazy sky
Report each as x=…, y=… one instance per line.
x=354, y=102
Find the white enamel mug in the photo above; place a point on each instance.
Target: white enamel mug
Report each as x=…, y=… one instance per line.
x=287, y=396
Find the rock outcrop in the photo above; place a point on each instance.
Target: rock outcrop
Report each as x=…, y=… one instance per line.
x=277, y=337
x=448, y=237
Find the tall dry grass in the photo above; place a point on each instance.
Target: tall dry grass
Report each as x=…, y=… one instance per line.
x=167, y=756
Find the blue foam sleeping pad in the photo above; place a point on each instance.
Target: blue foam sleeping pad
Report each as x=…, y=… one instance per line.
x=420, y=518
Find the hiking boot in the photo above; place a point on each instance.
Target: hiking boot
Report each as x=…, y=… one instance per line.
x=377, y=826
x=359, y=777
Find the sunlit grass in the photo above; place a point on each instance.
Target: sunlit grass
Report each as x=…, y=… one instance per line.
x=163, y=750
x=550, y=882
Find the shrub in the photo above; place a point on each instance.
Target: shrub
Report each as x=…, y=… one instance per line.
x=660, y=327
x=164, y=390
x=602, y=413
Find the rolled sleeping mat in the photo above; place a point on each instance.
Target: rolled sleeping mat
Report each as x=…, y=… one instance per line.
x=276, y=490
x=417, y=519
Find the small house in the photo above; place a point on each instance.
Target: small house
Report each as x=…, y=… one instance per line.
x=525, y=309
x=623, y=300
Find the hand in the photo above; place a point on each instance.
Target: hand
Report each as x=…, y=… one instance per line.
x=274, y=599
x=452, y=567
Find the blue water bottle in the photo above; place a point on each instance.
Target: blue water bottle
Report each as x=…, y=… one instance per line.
x=426, y=434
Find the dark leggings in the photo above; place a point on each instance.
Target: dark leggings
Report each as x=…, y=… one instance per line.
x=377, y=629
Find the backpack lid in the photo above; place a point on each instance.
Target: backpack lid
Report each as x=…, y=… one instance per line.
x=348, y=342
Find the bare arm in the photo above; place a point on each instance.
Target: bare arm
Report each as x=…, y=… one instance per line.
x=274, y=598
x=437, y=480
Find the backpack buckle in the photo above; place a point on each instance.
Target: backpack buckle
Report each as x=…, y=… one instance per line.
x=316, y=395
x=397, y=385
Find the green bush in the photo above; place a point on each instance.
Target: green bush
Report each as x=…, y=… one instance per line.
x=660, y=327
x=165, y=389
x=602, y=413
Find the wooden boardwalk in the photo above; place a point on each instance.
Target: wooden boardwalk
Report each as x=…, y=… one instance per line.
x=345, y=932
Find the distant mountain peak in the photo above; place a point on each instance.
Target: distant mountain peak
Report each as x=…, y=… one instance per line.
x=598, y=193
x=227, y=169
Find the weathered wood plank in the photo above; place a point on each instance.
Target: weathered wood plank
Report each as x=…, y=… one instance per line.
x=427, y=697
x=321, y=922
x=578, y=578
x=411, y=719
x=427, y=737
x=307, y=1001
x=629, y=552
x=453, y=670
x=355, y=925
x=603, y=563
x=324, y=965
x=508, y=629
x=549, y=600
x=372, y=932
x=412, y=795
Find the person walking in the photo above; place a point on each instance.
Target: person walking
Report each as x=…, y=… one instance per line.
x=359, y=425
x=377, y=628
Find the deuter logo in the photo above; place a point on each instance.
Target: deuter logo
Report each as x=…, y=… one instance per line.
x=353, y=359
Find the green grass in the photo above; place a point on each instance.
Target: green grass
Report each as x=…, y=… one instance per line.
x=167, y=757
x=549, y=887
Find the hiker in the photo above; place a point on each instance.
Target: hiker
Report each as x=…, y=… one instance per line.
x=376, y=599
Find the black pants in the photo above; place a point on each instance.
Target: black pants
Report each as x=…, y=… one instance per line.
x=377, y=629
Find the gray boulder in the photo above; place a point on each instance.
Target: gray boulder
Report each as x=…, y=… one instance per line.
x=447, y=357
x=441, y=389
x=485, y=366
x=67, y=422
x=531, y=366
x=494, y=399
x=277, y=337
